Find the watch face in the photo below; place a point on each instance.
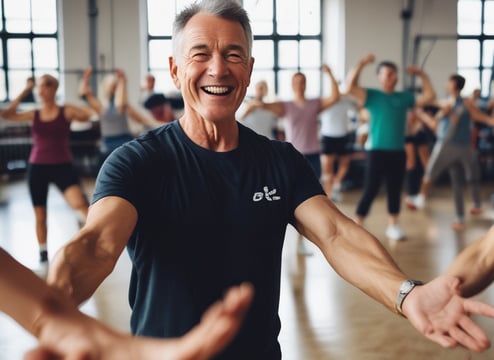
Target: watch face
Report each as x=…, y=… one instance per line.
x=406, y=286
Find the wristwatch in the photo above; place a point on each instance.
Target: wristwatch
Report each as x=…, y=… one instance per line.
x=405, y=288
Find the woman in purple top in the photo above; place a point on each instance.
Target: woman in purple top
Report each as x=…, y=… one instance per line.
x=301, y=117
x=50, y=160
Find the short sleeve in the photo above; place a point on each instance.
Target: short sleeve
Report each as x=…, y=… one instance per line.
x=118, y=175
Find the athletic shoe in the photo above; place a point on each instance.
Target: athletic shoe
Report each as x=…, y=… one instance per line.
x=336, y=193
x=410, y=203
x=419, y=201
x=335, y=196
x=458, y=226
x=476, y=211
x=394, y=232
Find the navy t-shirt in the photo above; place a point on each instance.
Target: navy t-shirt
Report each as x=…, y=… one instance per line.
x=206, y=221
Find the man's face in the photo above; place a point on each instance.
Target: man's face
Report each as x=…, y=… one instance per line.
x=388, y=78
x=451, y=87
x=212, y=68
x=298, y=84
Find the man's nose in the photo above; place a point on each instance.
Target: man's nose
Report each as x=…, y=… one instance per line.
x=218, y=66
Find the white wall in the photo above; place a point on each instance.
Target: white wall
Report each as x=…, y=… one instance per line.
x=376, y=26
x=352, y=29
x=119, y=41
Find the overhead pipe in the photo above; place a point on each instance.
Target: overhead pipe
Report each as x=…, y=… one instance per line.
x=406, y=16
x=93, y=33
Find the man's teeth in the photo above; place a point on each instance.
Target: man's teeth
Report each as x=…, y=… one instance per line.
x=216, y=89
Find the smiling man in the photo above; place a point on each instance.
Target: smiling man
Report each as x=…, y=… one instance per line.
x=203, y=204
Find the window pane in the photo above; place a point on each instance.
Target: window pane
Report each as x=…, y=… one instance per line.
x=164, y=82
x=261, y=16
x=488, y=54
x=159, y=51
x=17, y=14
x=263, y=52
x=19, y=53
x=3, y=93
x=44, y=16
x=311, y=53
x=469, y=17
x=17, y=82
x=182, y=4
x=285, y=91
x=288, y=54
x=160, y=17
x=45, y=53
x=287, y=17
x=468, y=53
x=472, y=82
x=310, y=17
x=1, y=23
x=489, y=18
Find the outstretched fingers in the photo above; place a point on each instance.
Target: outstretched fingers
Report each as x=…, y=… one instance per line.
x=219, y=325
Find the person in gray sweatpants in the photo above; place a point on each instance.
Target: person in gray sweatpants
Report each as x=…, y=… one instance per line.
x=453, y=151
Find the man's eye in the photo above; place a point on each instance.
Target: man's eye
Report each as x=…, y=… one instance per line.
x=234, y=58
x=200, y=57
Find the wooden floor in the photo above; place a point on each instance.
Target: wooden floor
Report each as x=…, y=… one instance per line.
x=322, y=316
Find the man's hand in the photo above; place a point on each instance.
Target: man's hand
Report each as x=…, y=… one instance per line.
x=414, y=70
x=65, y=333
x=438, y=312
x=368, y=59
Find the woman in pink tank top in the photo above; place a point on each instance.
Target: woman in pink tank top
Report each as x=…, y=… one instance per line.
x=50, y=160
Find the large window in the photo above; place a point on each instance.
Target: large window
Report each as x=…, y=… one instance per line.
x=287, y=38
x=29, y=43
x=476, y=44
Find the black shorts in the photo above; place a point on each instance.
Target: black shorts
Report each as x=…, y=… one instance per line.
x=41, y=175
x=337, y=145
x=420, y=138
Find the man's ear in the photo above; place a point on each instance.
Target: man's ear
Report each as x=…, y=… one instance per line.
x=174, y=71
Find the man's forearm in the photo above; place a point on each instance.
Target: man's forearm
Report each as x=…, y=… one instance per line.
x=80, y=267
x=428, y=93
x=474, y=266
x=362, y=260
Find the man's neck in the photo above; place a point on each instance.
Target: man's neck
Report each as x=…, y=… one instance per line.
x=220, y=136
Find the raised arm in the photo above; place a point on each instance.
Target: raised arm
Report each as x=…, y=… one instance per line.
x=352, y=81
x=86, y=92
x=121, y=91
x=477, y=115
x=122, y=103
x=83, y=263
x=141, y=117
x=275, y=107
x=434, y=309
x=429, y=120
x=10, y=113
x=428, y=94
x=474, y=266
x=78, y=113
x=334, y=95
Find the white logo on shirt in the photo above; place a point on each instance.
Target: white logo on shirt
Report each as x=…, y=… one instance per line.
x=268, y=194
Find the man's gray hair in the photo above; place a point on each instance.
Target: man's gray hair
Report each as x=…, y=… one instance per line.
x=226, y=9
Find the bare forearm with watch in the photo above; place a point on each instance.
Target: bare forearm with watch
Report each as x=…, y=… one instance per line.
x=435, y=308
